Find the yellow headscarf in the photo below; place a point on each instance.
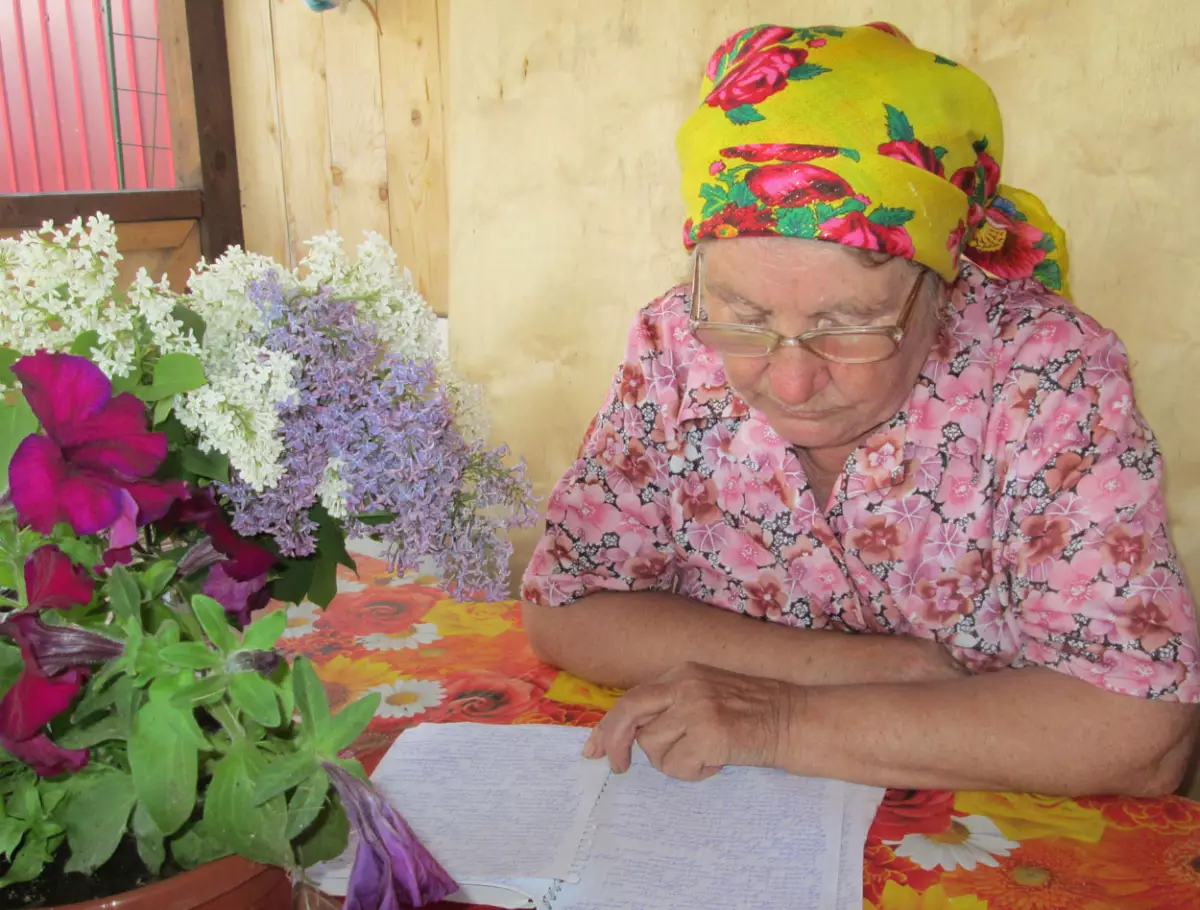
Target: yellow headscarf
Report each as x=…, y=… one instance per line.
x=856, y=136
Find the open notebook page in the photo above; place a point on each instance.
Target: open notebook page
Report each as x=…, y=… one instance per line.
x=746, y=838
x=857, y=815
x=489, y=802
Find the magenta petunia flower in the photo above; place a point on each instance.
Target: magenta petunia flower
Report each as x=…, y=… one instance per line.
x=391, y=867
x=53, y=582
x=56, y=659
x=95, y=447
x=26, y=708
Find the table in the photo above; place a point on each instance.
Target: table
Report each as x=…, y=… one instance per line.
x=435, y=661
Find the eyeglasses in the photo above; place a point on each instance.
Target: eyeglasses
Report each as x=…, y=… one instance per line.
x=840, y=344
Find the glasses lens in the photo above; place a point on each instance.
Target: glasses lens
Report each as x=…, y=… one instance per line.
x=735, y=342
x=864, y=347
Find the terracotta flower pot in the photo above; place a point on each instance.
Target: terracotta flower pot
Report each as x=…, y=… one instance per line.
x=231, y=883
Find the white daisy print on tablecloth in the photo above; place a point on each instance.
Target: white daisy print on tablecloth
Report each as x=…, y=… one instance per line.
x=420, y=633
x=408, y=697
x=301, y=619
x=971, y=840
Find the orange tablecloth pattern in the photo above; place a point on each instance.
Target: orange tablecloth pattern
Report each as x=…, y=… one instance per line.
x=436, y=661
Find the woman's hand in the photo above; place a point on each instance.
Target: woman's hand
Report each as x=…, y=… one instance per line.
x=695, y=720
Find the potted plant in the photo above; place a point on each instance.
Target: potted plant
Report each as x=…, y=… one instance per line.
x=169, y=463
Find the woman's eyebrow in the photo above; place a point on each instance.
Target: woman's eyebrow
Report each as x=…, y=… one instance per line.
x=855, y=308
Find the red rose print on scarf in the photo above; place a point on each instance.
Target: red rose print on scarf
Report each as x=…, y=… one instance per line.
x=882, y=230
x=1006, y=245
x=905, y=812
x=903, y=144
x=752, y=66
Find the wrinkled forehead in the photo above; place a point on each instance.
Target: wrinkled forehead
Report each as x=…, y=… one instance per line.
x=785, y=274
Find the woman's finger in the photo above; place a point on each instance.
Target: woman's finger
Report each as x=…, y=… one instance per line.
x=658, y=736
x=615, y=733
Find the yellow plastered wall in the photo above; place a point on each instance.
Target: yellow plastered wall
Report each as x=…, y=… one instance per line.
x=565, y=217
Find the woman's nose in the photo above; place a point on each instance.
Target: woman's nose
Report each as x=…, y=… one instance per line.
x=796, y=375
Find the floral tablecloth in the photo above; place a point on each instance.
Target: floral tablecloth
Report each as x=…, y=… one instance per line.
x=436, y=661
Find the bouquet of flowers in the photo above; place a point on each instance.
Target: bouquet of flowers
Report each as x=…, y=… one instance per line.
x=169, y=463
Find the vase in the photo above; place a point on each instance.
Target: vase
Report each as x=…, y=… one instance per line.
x=232, y=883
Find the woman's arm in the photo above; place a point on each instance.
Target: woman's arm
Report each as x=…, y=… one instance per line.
x=624, y=639
x=1028, y=730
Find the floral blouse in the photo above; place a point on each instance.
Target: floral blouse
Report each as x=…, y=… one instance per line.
x=1011, y=510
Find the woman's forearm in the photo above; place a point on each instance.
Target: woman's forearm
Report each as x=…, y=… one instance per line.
x=626, y=639
x=1029, y=730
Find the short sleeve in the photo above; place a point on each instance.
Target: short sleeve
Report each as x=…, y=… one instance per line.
x=1095, y=583
x=607, y=521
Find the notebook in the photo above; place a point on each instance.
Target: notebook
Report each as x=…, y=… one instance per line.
x=519, y=818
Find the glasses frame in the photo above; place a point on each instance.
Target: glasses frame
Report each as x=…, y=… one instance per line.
x=894, y=332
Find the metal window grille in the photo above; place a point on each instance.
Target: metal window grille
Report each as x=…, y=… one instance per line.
x=83, y=101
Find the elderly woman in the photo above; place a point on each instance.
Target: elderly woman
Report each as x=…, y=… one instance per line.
x=870, y=499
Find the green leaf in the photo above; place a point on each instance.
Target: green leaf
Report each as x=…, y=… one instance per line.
x=306, y=803
x=7, y=358
x=128, y=382
x=331, y=552
x=124, y=594
x=191, y=655
x=715, y=198
x=375, y=519
x=806, y=71
x=173, y=375
x=215, y=622
x=310, y=699
x=890, y=217
x=191, y=320
x=743, y=114
x=255, y=832
x=264, y=633
x=291, y=587
x=12, y=832
x=349, y=723
x=797, y=222
x=197, y=846
x=851, y=205
x=852, y=154
x=162, y=409
x=164, y=766
x=283, y=773
x=212, y=465
x=326, y=837
x=898, y=127
x=82, y=345
x=35, y=853
x=255, y=697
x=1046, y=243
x=96, y=817
x=181, y=718
x=944, y=61
x=156, y=578
x=101, y=730
x=1049, y=274
x=16, y=422
x=740, y=195
x=149, y=840
x=203, y=691
x=11, y=665
x=940, y=152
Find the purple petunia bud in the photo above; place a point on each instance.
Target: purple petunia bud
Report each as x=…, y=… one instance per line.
x=261, y=662
x=391, y=867
x=53, y=649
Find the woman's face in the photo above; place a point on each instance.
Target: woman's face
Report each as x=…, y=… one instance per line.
x=794, y=286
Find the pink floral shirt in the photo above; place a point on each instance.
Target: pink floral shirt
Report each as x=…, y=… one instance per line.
x=1012, y=510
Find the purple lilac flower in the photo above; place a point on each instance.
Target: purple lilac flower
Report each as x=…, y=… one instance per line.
x=390, y=425
x=391, y=867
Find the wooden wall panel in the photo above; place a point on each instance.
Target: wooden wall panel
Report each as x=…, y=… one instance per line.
x=346, y=131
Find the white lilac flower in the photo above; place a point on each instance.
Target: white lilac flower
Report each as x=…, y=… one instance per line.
x=408, y=697
x=420, y=633
x=971, y=840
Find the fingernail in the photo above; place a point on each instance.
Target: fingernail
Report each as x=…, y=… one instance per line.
x=589, y=748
